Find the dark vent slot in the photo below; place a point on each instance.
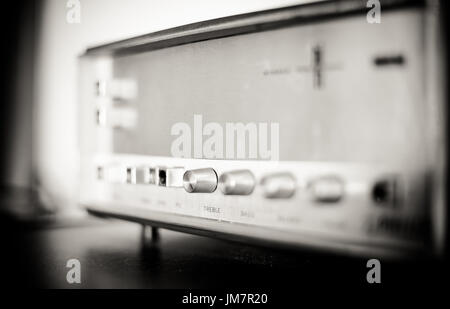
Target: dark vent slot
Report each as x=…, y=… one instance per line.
x=389, y=60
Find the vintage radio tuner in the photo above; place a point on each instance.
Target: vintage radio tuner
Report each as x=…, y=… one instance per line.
x=353, y=111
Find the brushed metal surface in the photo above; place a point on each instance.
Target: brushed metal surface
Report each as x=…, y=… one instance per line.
x=202, y=180
x=238, y=182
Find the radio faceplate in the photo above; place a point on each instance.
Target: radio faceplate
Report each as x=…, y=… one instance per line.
x=359, y=109
x=393, y=215
x=356, y=149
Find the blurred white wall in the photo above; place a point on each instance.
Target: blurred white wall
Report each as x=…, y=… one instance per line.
x=59, y=43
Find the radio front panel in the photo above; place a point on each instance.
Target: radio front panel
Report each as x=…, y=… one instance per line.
x=360, y=109
x=352, y=161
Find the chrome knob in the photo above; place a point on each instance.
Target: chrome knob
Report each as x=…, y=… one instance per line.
x=327, y=189
x=237, y=182
x=281, y=185
x=200, y=181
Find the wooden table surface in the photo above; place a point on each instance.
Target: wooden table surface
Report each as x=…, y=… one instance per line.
x=112, y=255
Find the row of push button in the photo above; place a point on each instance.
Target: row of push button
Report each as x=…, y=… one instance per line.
x=238, y=182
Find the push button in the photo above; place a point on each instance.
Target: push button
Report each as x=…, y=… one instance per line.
x=200, y=181
x=113, y=173
x=117, y=89
x=171, y=177
x=144, y=175
x=279, y=186
x=131, y=175
x=237, y=183
x=117, y=117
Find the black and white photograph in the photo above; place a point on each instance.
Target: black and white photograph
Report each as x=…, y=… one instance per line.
x=224, y=153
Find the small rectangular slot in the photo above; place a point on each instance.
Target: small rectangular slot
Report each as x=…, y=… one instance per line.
x=389, y=60
x=162, y=178
x=131, y=175
x=100, y=173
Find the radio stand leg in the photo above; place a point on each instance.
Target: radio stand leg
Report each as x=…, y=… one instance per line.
x=149, y=235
